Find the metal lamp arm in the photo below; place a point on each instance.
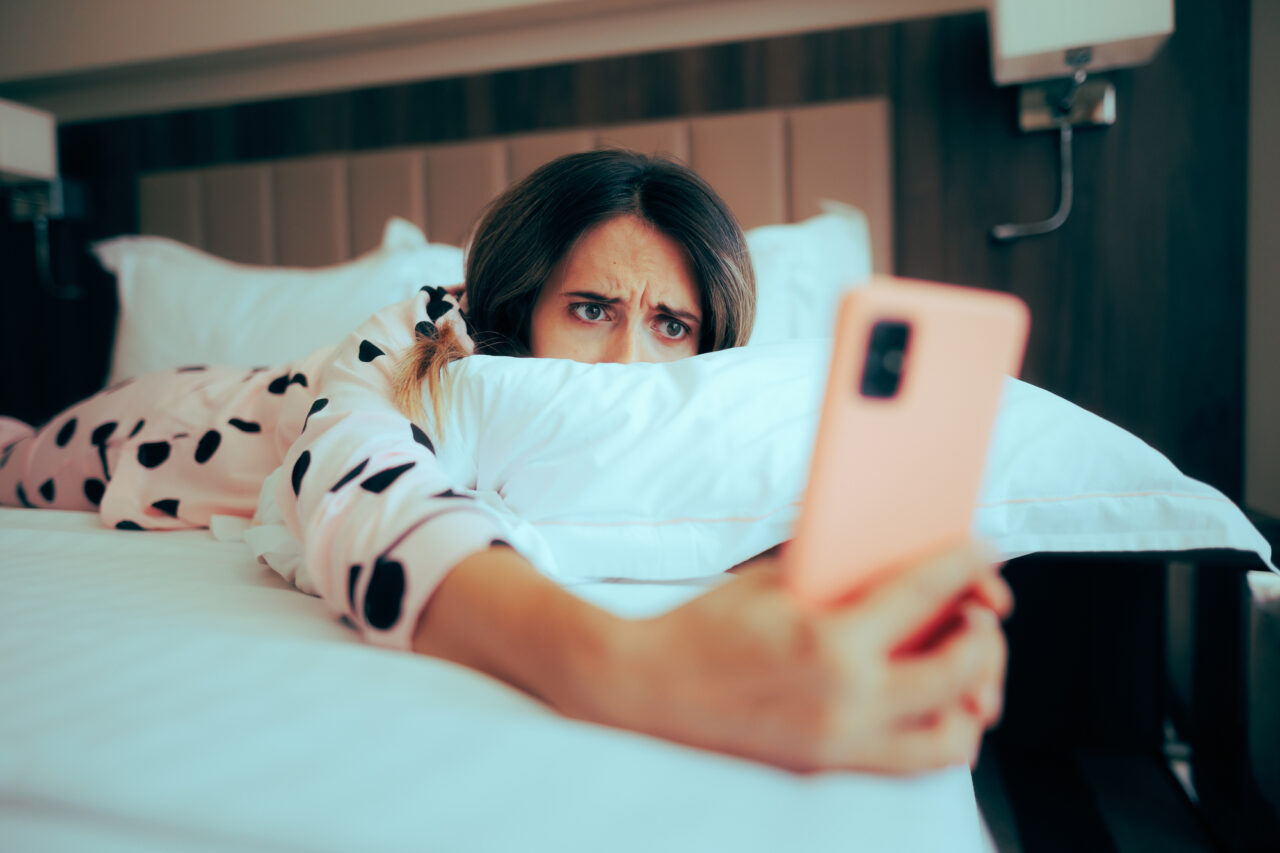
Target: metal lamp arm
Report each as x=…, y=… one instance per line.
x=1054, y=222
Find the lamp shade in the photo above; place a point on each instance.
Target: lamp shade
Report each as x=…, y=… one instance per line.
x=28, y=144
x=1031, y=39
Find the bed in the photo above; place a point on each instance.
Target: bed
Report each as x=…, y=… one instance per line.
x=169, y=693
x=173, y=693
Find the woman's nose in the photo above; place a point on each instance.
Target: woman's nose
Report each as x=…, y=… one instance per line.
x=627, y=346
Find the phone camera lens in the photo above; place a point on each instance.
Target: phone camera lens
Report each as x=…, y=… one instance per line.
x=885, y=359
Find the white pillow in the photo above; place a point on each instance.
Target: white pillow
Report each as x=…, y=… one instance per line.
x=676, y=472
x=803, y=268
x=179, y=305
x=668, y=471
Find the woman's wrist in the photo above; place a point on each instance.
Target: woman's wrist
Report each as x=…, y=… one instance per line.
x=496, y=613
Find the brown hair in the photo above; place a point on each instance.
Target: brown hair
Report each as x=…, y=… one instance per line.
x=527, y=230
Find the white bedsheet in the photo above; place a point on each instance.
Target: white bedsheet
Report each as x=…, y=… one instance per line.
x=162, y=691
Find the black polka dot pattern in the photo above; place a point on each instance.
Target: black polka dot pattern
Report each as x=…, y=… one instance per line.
x=381, y=480
x=99, y=439
x=137, y=428
x=279, y=385
x=299, y=469
x=426, y=330
x=437, y=304
x=499, y=543
x=153, y=453
x=298, y=379
x=349, y=476
x=450, y=493
x=102, y=433
x=66, y=433
x=128, y=525
x=421, y=437
x=6, y=453
x=169, y=506
x=94, y=489
x=318, y=405
x=385, y=594
x=22, y=497
x=47, y=490
x=353, y=576
x=208, y=446
x=369, y=351
x=245, y=426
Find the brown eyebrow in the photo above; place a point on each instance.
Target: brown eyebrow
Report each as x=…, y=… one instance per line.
x=594, y=297
x=613, y=300
x=681, y=315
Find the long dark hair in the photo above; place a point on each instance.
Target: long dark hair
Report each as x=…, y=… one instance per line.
x=527, y=230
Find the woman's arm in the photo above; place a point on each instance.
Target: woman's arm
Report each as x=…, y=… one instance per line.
x=378, y=517
x=743, y=669
x=496, y=613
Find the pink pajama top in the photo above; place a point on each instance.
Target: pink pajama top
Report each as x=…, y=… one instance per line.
x=379, y=521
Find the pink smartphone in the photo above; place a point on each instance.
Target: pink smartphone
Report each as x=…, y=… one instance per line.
x=911, y=399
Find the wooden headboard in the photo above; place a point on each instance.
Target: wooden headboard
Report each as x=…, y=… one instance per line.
x=769, y=165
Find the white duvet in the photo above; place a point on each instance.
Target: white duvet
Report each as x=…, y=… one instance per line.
x=164, y=692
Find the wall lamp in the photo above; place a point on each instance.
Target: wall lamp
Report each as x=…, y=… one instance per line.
x=30, y=187
x=1053, y=46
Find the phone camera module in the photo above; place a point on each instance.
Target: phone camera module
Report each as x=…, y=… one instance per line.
x=886, y=355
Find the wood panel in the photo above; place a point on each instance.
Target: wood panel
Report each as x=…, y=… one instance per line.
x=463, y=179
x=381, y=185
x=834, y=154
x=668, y=137
x=170, y=205
x=310, y=224
x=527, y=153
x=239, y=220
x=726, y=148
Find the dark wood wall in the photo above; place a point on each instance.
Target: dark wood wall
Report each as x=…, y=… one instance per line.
x=1138, y=302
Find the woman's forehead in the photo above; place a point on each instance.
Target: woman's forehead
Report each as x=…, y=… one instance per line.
x=626, y=254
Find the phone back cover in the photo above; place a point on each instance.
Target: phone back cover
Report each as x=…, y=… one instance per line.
x=896, y=479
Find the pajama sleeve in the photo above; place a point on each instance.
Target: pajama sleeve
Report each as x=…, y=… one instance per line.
x=379, y=522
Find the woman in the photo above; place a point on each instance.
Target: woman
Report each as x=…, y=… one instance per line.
x=602, y=256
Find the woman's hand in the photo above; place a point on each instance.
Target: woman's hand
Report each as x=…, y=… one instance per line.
x=747, y=669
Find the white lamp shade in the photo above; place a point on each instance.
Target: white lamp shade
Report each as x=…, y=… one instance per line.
x=1030, y=38
x=28, y=143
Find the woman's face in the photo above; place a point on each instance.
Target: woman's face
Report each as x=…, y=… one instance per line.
x=624, y=292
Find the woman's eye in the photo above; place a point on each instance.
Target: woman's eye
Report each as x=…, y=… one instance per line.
x=589, y=311
x=673, y=329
